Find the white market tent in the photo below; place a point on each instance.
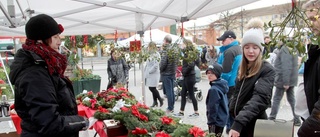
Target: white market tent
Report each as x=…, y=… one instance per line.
x=155, y=36
x=80, y=17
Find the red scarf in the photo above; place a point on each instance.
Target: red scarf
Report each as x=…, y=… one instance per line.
x=56, y=62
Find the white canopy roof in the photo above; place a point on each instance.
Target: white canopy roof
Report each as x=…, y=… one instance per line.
x=105, y=16
x=156, y=36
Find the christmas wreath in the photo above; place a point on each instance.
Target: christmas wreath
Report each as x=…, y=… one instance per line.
x=140, y=120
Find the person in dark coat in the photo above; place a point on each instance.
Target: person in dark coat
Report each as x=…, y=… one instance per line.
x=9, y=54
x=168, y=67
x=311, y=126
x=118, y=70
x=217, y=100
x=188, y=82
x=253, y=85
x=44, y=97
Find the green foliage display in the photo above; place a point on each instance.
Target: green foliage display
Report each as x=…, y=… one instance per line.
x=298, y=34
x=84, y=74
x=174, y=51
x=92, y=41
x=140, y=120
x=5, y=88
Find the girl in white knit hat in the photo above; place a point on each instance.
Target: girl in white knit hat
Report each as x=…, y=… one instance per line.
x=253, y=85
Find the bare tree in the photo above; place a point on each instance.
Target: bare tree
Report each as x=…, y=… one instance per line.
x=227, y=21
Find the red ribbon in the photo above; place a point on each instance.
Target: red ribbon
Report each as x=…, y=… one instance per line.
x=85, y=39
x=293, y=3
x=116, y=36
x=73, y=40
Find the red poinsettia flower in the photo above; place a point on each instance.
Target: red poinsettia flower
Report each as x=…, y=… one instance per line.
x=123, y=89
x=110, y=97
x=162, y=134
x=139, y=131
x=2, y=81
x=134, y=111
x=93, y=102
x=90, y=93
x=166, y=120
x=142, y=106
x=196, y=132
x=124, y=109
x=143, y=117
x=124, y=95
x=101, y=109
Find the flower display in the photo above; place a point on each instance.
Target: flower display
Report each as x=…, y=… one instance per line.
x=140, y=120
x=196, y=132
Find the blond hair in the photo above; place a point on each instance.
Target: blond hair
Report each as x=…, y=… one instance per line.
x=245, y=71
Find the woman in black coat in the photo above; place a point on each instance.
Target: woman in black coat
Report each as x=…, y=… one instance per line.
x=44, y=97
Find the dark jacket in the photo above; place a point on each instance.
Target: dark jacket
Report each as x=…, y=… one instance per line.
x=118, y=70
x=45, y=103
x=169, y=60
x=311, y=127
x=217, y=103
x=286, y=66
x=251, y=98
x=230, y=59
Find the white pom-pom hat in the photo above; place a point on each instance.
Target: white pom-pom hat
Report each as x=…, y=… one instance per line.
x=254, y=34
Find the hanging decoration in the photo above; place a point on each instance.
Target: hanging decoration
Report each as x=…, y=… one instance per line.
x=73, y=40
x=293, y=31
x=150, y=35
x=135, y=45
x=182, y=29
x=85, y=39
x=116, y=36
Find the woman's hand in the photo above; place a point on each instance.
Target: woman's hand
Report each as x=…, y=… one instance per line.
x=233, y=133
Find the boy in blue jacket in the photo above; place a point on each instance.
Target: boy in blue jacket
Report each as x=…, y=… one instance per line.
x=217, y=101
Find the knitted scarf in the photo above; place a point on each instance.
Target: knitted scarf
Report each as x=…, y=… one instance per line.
x=56, y=62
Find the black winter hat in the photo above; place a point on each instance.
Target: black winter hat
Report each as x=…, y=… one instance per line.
x=215, y=69
x=42, y=27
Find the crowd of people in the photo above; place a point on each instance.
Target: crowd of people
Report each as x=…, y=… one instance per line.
x=241, y=81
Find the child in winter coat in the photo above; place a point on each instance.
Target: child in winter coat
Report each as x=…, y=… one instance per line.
x=217, y=101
